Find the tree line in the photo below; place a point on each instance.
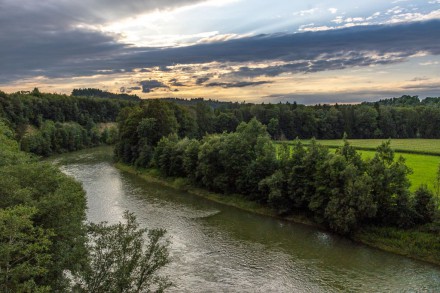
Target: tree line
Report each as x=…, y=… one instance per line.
x=76, y=119
x=49, y=123
x=338, y=190
x=404, y=117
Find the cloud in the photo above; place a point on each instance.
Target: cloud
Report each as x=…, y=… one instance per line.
x=429, y=63
x=149, y=85
x=236, y=84
x=175, y=82
x=221, y=38
x=201, y=80
x=333, y=10
x=420, y=78
x=424, y=86
x=350, y=96
x=65, y=53
x=305, y=12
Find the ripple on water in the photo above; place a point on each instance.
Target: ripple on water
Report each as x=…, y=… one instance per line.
x=221, y=249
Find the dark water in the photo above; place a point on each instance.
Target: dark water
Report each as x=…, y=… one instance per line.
x=216, y=248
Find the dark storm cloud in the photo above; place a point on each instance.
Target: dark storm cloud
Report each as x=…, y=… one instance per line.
x=56, y=13
x=52, y=50
x=150, y=85
x=236, y=84
x=49, y=37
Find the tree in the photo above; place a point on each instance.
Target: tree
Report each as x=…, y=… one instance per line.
x=274, y=128
x=119, y=260
x=424, y=204
x=24, y=256
x=390, y=187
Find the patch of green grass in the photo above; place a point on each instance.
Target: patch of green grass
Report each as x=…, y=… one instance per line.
x=422, y=155
x=413, y=145
x=424, y=168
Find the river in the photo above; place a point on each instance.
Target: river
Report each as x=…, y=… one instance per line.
x=216, y=248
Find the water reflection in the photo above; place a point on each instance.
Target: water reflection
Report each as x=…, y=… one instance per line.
x=215, y=248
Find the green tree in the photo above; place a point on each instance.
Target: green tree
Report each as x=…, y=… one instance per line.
x=274, y=128
x=424, y=205
x=121, y=261
x=390, y=187
x=24, y=251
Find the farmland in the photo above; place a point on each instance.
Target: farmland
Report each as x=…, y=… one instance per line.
x=412, y=146
x=422, y=155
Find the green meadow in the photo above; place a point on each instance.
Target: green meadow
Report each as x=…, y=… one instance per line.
x=424, y=167
x=421, y=155
x=413, y=146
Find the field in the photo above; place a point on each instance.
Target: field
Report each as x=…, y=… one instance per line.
x=422, y=155
x=424, y=168
x=413, y=146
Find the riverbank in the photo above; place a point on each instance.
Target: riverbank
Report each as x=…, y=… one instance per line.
x=421, y=245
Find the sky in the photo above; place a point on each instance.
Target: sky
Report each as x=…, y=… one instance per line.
x=234, y=50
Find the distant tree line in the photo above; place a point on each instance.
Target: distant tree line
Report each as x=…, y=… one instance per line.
x=51, y=123
x=76, y=119
x=404, y=117
x=339, y=190
x=97, y=93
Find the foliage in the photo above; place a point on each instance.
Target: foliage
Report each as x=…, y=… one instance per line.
x=119, y=260
x=91, y=92
x=24, y=251
x=424, y=205
x=339, y=190
x=47, y=209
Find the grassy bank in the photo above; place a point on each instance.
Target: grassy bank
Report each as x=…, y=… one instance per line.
x=420, y=245
x=416, y=244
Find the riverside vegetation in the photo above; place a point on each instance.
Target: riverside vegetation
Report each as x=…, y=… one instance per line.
x=340, y=190
x=45, y=246
x=222, y=147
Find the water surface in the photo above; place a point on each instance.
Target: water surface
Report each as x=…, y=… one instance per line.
x=216, y=248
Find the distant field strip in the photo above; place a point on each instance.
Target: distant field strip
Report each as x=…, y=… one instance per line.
x=422, y=155
x=411, y=146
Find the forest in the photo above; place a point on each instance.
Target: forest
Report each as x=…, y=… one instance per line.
x=338, y=190
x=47, y=124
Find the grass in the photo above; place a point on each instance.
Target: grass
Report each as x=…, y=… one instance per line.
x=412, y=145
x=422, y=155
x=424, y=168
x=412, y=243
